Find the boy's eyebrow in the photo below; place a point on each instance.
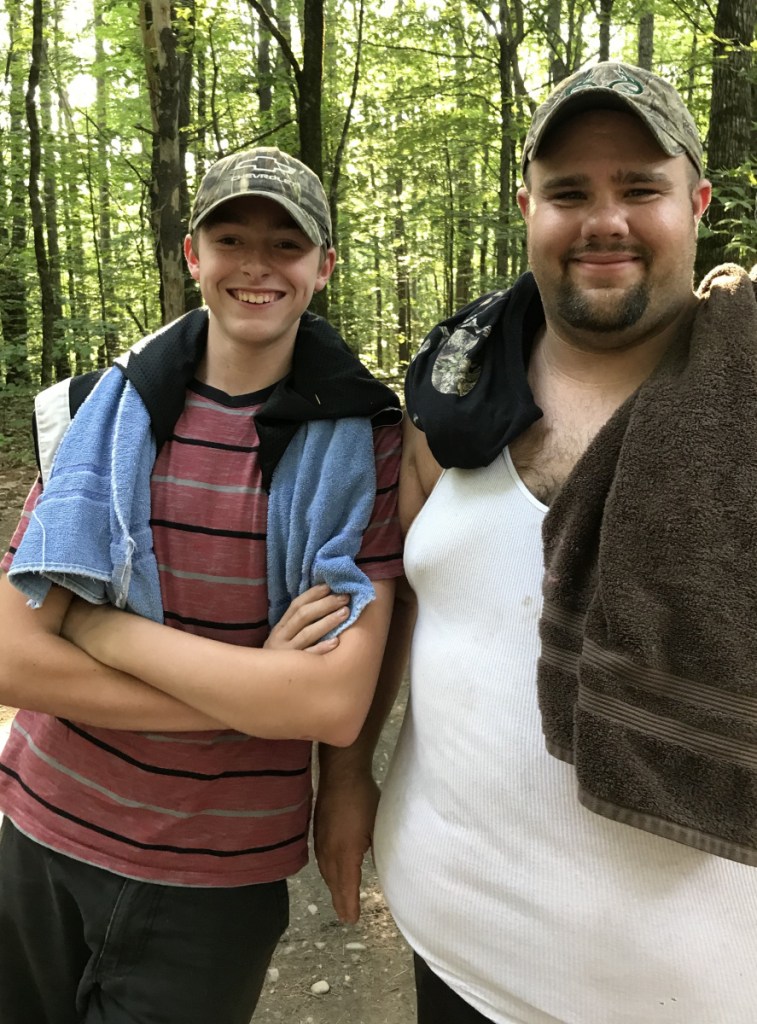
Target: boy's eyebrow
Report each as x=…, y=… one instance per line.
x=620, y=178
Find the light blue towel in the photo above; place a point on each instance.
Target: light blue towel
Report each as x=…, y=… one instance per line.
x=90, y=532
x=322, y=496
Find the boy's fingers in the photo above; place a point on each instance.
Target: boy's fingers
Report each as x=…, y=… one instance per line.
x=315, y=613
x=313, y=633
x=309, y=635
x=314, y=604
x=324, y=646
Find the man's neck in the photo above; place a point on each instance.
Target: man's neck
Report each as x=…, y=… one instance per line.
x=618, y=370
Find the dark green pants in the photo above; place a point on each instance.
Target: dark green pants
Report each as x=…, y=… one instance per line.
x=79, y=945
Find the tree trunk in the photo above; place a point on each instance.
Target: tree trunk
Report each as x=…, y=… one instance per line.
x=185, y=56
x=645, y=53
x=310, y=88
x=731, y=117
x=506, y=127
x=263, y=78
x=402, y=271
x=103, y=239
x=378, y=283
x=13, y=315
x=309, y=82
x=47, y=292
x=61, y=364
x=558, y=69
x=510, y=35
x=605, y=25
x=164, y=81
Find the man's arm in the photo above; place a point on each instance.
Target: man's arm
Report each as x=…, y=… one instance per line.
x=347, y=792
x=271, y=693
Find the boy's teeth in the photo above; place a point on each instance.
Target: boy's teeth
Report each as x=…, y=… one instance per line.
x=258, y=298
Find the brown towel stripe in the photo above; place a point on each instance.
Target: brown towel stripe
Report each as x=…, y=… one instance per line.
x=667, y=730
x=690, y=691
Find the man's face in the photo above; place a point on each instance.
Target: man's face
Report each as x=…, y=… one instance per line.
x=257, y=272
x=611, y=230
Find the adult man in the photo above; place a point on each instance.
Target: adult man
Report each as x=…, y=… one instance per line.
x=611, y=457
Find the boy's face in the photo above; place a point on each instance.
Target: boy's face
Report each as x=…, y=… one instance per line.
x=257, y=272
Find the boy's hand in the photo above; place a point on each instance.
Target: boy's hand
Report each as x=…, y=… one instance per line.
x=309, y=617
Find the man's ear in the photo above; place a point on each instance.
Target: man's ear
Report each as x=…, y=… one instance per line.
x=700, y=199
x=524, y=201
x=193, y=262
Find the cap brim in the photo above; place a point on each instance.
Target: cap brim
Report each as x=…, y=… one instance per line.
x=598, y=98
x=303, y=220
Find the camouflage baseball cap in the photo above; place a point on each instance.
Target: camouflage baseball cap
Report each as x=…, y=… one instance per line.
x=617, y=86
x=267, y=172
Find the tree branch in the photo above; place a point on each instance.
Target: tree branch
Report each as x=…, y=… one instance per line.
x=269, y=21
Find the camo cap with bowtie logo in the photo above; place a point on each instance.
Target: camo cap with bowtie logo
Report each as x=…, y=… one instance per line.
x=267, y=172
x=617, y=86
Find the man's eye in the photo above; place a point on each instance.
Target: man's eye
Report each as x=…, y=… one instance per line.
x=642, y=193
x=568, y=197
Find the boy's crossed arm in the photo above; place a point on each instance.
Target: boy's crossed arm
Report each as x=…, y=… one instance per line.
x=42, y=671
x=271, y=693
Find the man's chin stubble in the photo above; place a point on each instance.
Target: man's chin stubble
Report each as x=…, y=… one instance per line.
x=577, y=311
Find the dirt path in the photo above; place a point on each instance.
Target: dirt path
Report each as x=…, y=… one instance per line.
x=367, y=967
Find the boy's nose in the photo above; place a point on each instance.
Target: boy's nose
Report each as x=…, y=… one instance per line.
x=254, y=262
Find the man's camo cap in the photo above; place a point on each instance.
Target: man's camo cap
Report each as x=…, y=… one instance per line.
x=267, y=172
x=620, y=87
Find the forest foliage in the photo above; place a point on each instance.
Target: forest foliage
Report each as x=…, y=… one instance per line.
x=413, y=112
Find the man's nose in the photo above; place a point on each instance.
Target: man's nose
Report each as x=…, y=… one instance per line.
x=605, y=218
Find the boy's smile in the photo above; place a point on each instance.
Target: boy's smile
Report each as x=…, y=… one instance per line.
x=257, y=271
x=256, y=298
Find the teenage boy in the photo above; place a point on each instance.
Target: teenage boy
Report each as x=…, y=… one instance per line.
x=157, y=795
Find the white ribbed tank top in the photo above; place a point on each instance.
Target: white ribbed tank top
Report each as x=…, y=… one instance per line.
x=533, y=909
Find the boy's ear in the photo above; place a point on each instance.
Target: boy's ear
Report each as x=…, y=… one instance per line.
x=193, y=262
x=326, y=269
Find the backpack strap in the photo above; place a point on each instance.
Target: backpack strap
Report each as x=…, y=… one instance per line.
x=54, y=408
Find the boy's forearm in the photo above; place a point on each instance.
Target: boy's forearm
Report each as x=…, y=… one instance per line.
x=275, y=694
x=40, y=671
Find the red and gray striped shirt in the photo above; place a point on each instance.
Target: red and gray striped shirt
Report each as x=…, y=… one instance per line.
x=205, y=808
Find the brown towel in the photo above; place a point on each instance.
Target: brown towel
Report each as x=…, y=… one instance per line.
x=648, y=675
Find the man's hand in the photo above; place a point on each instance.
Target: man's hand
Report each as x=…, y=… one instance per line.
x=345, y=811
x=309, y=617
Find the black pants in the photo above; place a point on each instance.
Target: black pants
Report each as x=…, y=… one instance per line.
x=79, y=945
x=437, y=1003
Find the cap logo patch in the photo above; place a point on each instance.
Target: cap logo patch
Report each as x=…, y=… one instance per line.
x=624, y=83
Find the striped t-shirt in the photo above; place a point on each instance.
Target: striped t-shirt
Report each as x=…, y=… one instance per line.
x=205, y=808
